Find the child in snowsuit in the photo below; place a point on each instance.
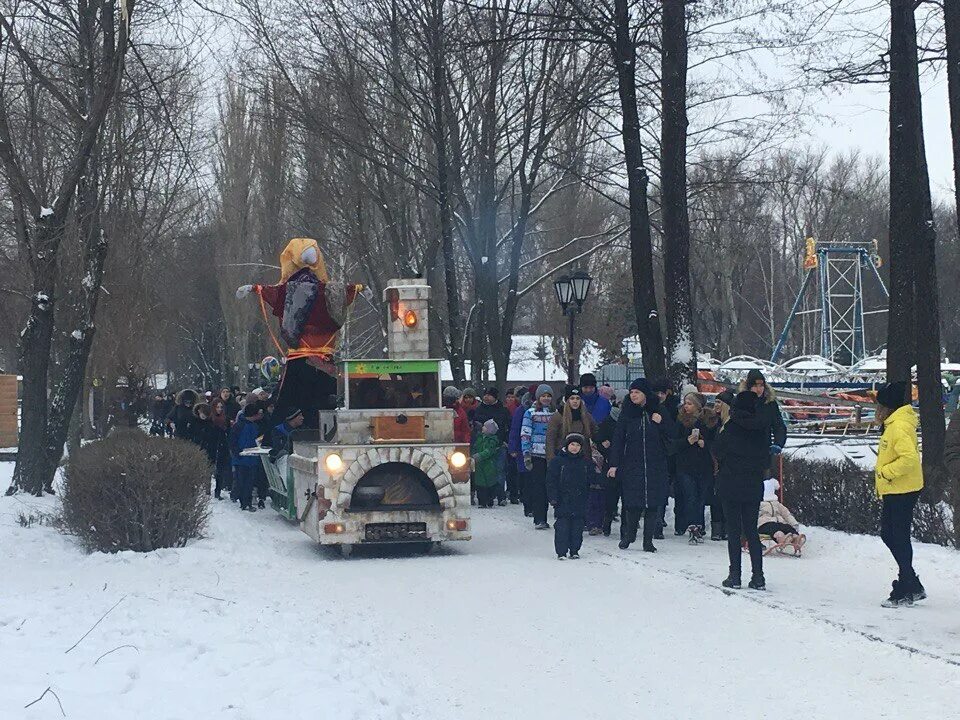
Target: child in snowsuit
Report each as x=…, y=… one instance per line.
x=776, y=521
x=486, y=453
x=568, y=485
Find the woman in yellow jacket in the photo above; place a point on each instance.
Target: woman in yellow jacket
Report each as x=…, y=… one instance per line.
x=899, y=479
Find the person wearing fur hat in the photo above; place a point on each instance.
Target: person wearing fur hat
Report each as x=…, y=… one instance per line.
x=691, y=446
x=742, y=449
x=486, y=456
x=568, y=485
x=638, y=458
x=768, y=408
x=533, y=443
x=899, y=480
x=597, y=405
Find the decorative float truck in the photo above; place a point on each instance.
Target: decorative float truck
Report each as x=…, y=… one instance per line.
x=384, y=468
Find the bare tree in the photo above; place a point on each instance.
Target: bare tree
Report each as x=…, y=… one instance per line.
x=92, y=39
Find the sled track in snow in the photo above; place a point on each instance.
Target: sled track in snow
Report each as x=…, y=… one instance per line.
x=760, y=598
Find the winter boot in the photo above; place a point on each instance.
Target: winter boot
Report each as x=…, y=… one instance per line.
x=624, y=544
x=732, y=581
x=917, y=592
x=574, y=556
x=899, y=596
x=658, y=534
x=648, y=547
x=757, y=582
x=561, y=557
x=261, y=504
x=715, y=531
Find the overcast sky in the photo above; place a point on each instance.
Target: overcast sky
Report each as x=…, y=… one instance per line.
x=857, y=118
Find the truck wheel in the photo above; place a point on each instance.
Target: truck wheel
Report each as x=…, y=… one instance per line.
x=346, y=551
x=431, y=547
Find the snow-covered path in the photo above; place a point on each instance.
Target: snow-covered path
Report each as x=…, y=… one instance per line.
x=254, y=622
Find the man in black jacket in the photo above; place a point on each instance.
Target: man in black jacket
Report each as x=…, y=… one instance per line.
x=492, y=409
x=769, y=409
x=742, y=449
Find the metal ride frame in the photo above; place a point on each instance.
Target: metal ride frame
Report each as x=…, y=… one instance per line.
x=839, y=270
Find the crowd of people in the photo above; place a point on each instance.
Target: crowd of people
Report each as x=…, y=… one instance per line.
x=598, y=459
x=223, y=424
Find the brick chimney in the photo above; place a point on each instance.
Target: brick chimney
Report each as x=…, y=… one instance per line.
x=408, y=334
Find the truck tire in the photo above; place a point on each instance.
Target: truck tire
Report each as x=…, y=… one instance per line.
x=346, y=551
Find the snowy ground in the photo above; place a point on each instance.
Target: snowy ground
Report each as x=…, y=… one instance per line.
x=254, y=622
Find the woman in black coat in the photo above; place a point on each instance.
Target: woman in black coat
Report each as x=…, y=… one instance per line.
x=638, y=459
x=742, y=448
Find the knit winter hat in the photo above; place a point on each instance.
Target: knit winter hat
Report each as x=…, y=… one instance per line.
x=643, y=385
x=893, y=395
x=588, y=380
x=468, y=392
x=492, y=392
x=770, y=488
x=451, y=394
x=725, y=397
x=661, y=384
x=570, y=391
x=574, y=437
x=490, y=427
x=746, y=401
x=753, y=376
x=605, y=391
x=543, y=389
x=293, y=414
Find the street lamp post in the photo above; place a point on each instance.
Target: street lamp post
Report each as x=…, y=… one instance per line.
x=571, y=294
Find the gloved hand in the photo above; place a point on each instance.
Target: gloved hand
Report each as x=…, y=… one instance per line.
x=243, y=291
x=775, y=449
x=528, y=462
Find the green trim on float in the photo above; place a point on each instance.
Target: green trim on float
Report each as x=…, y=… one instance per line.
x=390, y=367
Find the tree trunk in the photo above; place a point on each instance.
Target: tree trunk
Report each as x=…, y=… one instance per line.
x=904, y=115
x=438, y=89
x=914, y=321
x=641, y=244
x=951, y=17
x=33, y=455
x=681, y=350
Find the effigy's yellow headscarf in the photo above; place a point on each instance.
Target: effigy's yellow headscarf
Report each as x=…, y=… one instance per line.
x=290, y=261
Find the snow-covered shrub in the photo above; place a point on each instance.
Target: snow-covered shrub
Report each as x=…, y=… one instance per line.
x=132, y=491
x=842, y=496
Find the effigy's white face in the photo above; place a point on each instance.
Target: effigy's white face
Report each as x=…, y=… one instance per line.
x=309, y=256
